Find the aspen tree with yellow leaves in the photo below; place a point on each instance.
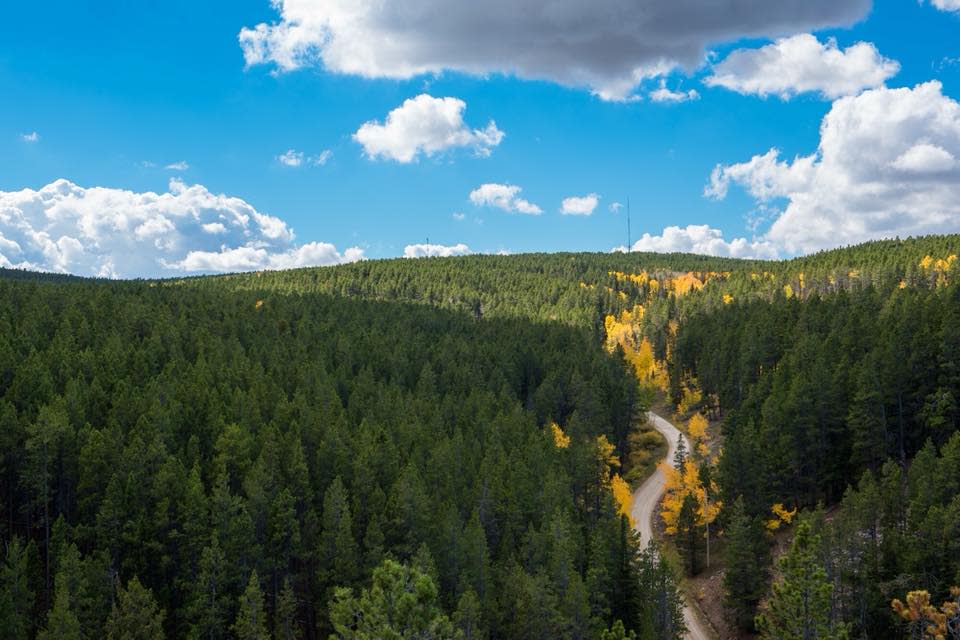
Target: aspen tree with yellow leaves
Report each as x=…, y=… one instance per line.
x=686, y=494
x=928, y=622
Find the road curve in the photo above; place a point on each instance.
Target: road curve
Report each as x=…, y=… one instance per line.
x=645, y=502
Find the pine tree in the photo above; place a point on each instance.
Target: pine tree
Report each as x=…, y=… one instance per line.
x=16, y=597
x=338, y=554
x=286, y=626
x=208, y=605
x=662, y=601
x=401, y=604
x=680, y=455
x=617, y=632
x=135, y=615
x=251, y=622
x=799, y=606
x=745, y=579
x=62, y=621
x=688, y=533
x=468, y=617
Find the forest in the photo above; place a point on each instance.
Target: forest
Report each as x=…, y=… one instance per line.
x=205, y=463
x=439, y=447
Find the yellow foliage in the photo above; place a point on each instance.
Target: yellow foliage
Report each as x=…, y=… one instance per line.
x=697, y=426
x=691, y=398
x=258, y=304
x=678, y=486
x=926, y=262
x=685, y=283
x=727, y=298
x=854, y=273
x=788, y=291
x=654, y=286
x=927, y=621
x=622, y=495
x=902, y=285
x=605, y=452
x=783, y=516
x=560, y=439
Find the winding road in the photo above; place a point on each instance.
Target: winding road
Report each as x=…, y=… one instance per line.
x=645, y=502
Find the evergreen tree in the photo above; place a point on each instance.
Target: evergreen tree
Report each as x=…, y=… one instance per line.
x=662, y=601
x=680, y=454
x=745, y=579
x=16, y=597
x=251, y=622
x=286, y=626
x=338, y=554
x=799, y=606
x=209, y=603
x=617, y=632
x=135, y=615
x=400, y=604
x=62, y=621
x=468, y=617
x=688, y=533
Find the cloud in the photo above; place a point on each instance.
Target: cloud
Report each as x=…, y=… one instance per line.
x=33, y=136
x=615, y=207
x=178, y=166
x=946, y=5
x=435, y=250
x=459, y=216
x=291, y=158
x=579, y=206
x=294, y=158
x=704, y=240
x=503, y=196
x=608, y=46
x=663, y=94
x=886, y=166
x=108, y=232
x=802, y=64
x=425, y=125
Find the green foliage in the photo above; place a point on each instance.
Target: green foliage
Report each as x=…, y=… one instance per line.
x=135, y=615
x=251, y=622
x=799, y=606
x=401, y=604
x=746, y=575
x=16, y=597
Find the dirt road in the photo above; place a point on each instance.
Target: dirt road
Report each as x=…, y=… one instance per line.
x=646, y=499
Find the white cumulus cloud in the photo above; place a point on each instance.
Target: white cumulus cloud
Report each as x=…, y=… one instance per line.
x=704, y=240
x=294, y=158
x=33, y=136
x=947, y=5
x=579, y=205
x=666, y=95
x=803, y=64
x=425, y=125
x=108, y=232
x=435, y=250
x=182, y=165
x=608, y=46
x=503, y=196
x=886, y=166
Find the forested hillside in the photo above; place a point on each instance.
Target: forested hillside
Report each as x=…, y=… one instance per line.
x=223, y=456
x=829, y=371
x=214, y=464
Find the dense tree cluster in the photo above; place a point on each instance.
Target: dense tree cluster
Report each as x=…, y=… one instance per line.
x=214, y=464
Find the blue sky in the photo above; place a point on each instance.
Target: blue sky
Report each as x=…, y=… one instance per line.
x=116, y=92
